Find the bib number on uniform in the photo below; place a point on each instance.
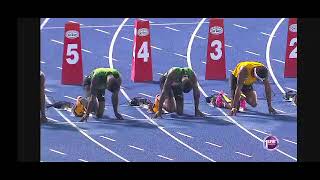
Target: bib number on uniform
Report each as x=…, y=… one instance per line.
x=217, y=44
x=71, y=50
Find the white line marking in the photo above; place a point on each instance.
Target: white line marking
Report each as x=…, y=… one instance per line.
x=138, y=109
x=199, y=37
x=76, y=22
x=252, y=53
x=52, y=119
x=44, y=23
x=204, y=62
x=59, y=67
x=201, y=90
x=146, y=20
x=244, y=154
x=59, y=42
x=278, y=60
x=171, y=28
x=289, y=141
x=70, y=97
x=86, y=135
x=128, y=116
x=102, y=31
x=48, y=90
x=184, y=135
x=261, y=132
x=146, y=95
x=266, y=34
x=279, y=110
x=206, y=113
x=180, y=55
x=86, y=50
x=82, y=160
x=165, y=158
x=227, y=45
x=108, y=58
x=136, y=148
x=156, y=48
x=230, y=70
x=107, y=138
x=126, y=38
x=214, y=144
x=268, y=55
x=42, y=62
x=160, y=74
x=237, y=25
x=57, y=151
x=291, y=89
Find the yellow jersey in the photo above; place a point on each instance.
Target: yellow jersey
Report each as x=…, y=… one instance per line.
x=249, y=65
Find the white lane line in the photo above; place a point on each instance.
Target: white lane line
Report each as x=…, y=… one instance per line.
x=188, y=136
x=82, y=160
x=243, y=154
x=206, y=113
x=59, y=67
x=180, y=55
x=102, y=31
x=57, y=151
x=171, y=28
x=86, y=50
x=42, y=62
x=128, y=25
x=146, y=20
x=86, y=135
x=59, y=42
x=204, y=94
x=199, y=37
x=230, y=70
x=227, y=45
x=108, y=58
x=250, y=52
x=44, y=23
x=156, y=48
x=126, y=38
x=76, y=22
x=108, y=138
x=160, y=74
x=138, y=109
x=146, y=95
x=48, y=90
x=128, y=116
x=261, y=132
x=165, y=157
x=289, y=141
x=280, y=111
x=70, y=98
x=278, y=61
x=291, y=89
x=266, y=34
x=268, y=55
x=134, y=147
x=52, y=119
x=204, y=62
x=213, y=144
x=237, y=25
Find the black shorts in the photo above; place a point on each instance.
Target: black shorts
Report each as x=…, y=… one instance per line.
x=176, y=91
x=99, y=93
x=233, y=85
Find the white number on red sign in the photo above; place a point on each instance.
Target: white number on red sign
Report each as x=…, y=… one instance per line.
x=217, y=49
x=293, y=53
x=71, y=50
x=143, y=51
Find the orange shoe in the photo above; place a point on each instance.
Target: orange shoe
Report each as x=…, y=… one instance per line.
x=156, y=104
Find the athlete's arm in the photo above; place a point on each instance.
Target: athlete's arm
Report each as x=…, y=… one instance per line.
x=115, y=101
x=267, y=89
x=92, y=97
x=240, y=80
x=196, y=96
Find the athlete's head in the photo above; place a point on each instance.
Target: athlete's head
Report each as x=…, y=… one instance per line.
x=260, y=73
x=113, y=84
x=186, y=84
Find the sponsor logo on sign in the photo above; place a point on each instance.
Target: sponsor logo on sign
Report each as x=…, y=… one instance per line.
x=271, y=143
x=143, y=32
x=293, y=27
x=216, y=30
x=72, y=34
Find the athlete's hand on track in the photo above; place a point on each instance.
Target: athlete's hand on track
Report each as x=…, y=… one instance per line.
x=272, y=111
x=199, y=113
x=158, y=114
x=118, y=115
x=233, y=112
x=84, y=118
